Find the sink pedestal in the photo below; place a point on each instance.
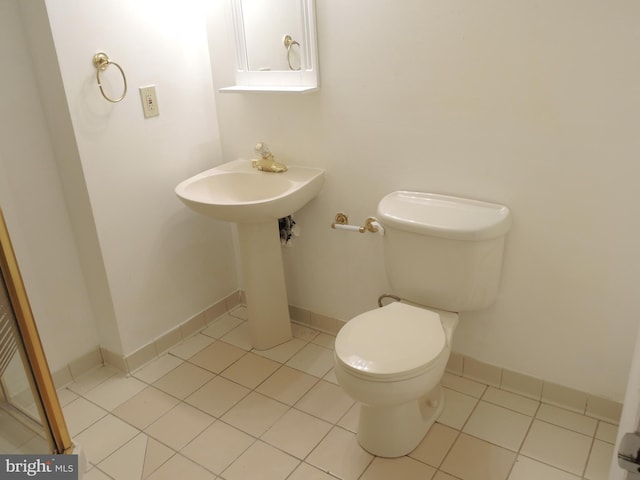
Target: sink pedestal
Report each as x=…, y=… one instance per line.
x=263, y=278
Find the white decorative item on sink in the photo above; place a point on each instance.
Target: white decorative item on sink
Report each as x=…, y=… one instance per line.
x=255, y=200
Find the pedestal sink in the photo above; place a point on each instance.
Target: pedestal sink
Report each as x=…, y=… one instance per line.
x=255, y=201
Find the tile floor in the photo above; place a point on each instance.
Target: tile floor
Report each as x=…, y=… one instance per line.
x=211, y=408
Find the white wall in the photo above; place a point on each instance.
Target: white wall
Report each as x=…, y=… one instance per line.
x=33, y=202
x=535, y=105
x=163, y=263
x=109, y=254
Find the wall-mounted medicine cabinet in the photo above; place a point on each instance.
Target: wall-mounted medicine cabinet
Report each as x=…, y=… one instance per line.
x=276, y=46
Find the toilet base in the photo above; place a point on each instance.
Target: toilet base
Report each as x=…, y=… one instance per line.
x=396, y=430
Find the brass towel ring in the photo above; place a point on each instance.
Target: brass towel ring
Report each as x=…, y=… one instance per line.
x=288, y=43
x=101, y=61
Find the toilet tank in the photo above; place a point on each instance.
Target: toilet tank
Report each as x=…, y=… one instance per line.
x=441, y=251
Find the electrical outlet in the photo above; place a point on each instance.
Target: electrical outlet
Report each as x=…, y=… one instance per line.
x=149, y=101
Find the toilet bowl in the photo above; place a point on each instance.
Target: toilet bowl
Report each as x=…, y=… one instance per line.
x=442, y=255
x=392, y=360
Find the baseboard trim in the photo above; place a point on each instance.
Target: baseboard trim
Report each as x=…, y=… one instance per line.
x=129, y=363
x=459, y=364
x=505, y=379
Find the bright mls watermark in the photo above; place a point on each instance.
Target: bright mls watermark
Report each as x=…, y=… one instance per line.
x=50, y=467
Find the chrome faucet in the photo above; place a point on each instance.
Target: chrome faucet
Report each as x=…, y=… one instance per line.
x=266, y=162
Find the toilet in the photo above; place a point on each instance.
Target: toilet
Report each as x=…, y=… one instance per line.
x=442, y=255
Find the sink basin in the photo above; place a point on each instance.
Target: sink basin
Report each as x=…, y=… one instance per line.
x=236, y=192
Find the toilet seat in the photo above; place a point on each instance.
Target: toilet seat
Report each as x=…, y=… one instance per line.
x=391, y=343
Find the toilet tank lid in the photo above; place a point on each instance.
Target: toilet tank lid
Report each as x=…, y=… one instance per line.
x=444, y=216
